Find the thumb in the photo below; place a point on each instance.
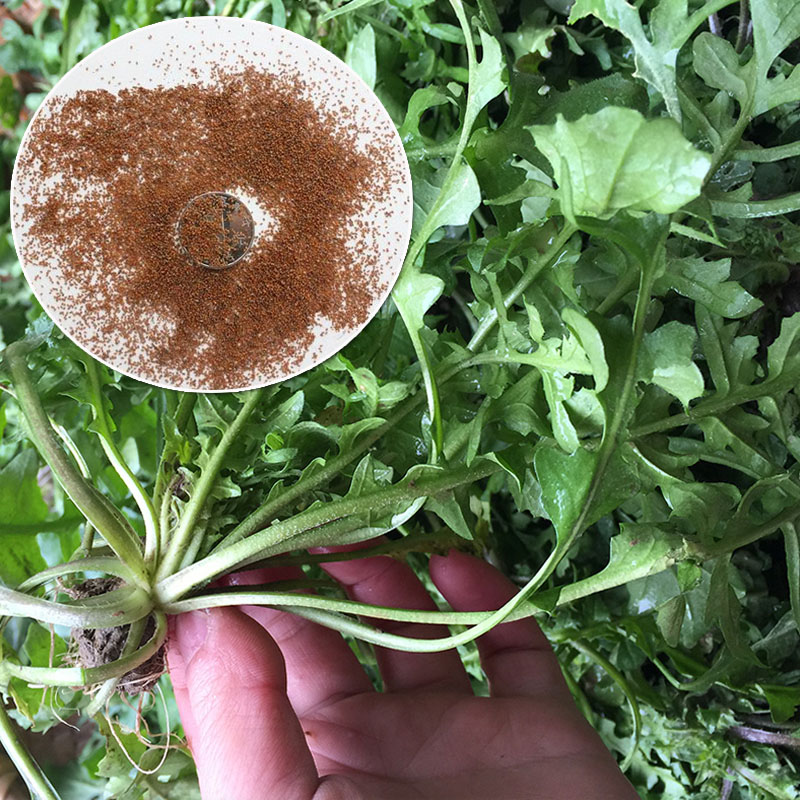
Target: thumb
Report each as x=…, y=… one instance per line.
x=230, y=685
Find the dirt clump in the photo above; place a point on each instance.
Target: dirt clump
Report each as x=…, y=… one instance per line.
x=93, y=647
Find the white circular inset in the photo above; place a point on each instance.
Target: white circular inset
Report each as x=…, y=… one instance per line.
x=211, y=204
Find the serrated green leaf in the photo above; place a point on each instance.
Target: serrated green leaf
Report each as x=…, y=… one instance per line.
x=557, y=389
x=783, y=701
x=591, y=342
x=350, y=433
x=725, y=609
x=656, y=56
x=286, y=414
x=81, y=35
x=705, y=281
x=729, y=357
x=783, y=355
x=421, y=101
x=617, y=159
x=666, y=361
x=449, y=511
x=669, y=619
x=432, y=208
x=776, y=24
x=717, y=63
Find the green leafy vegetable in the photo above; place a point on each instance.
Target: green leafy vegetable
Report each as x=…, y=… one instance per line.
x=588, y=370
x=617, y=159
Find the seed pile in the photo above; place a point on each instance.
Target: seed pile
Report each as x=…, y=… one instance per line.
x=115, y=172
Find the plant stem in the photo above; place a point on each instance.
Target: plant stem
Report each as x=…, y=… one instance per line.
x=762, y=154
x=103, y=430
x=164, y=531
x=627, y=283
x=278, y=599
x=741, y=31
x=623, y=684
x=221, y=561
x=111, y=566
x=694, y=112
x=37, y=782
x=734, y=136
x=164, y=472
x=747, y=536
x=117, y=607
x=765, y=737
x=191, y=513
x=612, y=431
x=697, y=18
x=105, y=517
x=755, y=209
x=265, y=513
x=791, y=538
x=760, y=781
x=714, y=405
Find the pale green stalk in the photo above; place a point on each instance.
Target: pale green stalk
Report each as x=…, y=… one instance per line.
x=163, y=472
x=191, y=513
x=105, y=517
x=714, y=405
x=107, y=564
x=348, y=626
x=37, y=782
x=103, y=430
x=764, y=154
x=175, y=586
x=283, y=599
x=117, y=607
x=755, y=209
x=623, y=684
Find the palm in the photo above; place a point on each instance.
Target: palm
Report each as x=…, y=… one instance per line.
x=326, y=734
x=460, y=747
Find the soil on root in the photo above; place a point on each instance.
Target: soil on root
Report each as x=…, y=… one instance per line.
x=97, y=646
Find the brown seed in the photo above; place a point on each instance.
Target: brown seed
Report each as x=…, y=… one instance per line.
x=148, y=153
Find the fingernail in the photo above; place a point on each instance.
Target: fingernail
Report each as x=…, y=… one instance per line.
x=192, y=629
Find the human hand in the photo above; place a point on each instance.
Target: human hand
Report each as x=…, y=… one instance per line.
x=277, y=707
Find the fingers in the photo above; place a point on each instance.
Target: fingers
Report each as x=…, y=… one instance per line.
x=320, y=666
x=516, y=656
x=230, y=683
x=386, y=582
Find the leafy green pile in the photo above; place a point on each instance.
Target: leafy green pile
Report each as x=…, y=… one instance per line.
x=588, y=370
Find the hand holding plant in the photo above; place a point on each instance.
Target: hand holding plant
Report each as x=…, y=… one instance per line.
x=318, y=729
x=589, y=370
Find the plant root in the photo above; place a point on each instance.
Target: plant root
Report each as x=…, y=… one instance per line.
x=98, y=646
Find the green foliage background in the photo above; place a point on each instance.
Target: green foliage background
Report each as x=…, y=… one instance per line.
x=600, y=312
